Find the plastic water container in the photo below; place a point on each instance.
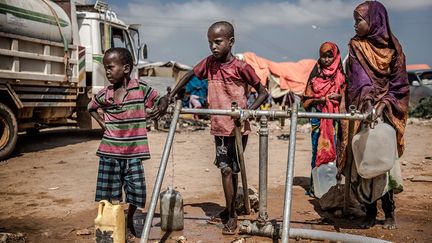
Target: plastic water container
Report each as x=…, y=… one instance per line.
x=324, y=177
x=171, y=210
x=110, y=223
x=375, y=150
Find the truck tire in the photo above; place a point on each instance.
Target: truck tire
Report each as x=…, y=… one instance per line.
x=8, y=131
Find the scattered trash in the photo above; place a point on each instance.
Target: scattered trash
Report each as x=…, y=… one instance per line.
x=240, y=240
x=181, y=239
x=207, y=170
x=284, y=137
x=84, y=232
x=428, y=157
x=12, y=238
x=409, y=177
x=253, y=198
x=305, y=128
x=53, y=188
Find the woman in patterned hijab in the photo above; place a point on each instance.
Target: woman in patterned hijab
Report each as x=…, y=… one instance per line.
x=377, y=80
x=324, y=93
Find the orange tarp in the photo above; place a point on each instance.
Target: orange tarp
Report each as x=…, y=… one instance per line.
x=417, y=66
x=293, y=75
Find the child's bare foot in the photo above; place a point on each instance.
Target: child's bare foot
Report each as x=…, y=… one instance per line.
x=390, y=223
x=230, y=228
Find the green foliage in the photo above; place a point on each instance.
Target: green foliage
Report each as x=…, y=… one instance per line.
x=423, y=109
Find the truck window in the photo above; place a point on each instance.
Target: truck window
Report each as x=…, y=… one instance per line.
x=426, y=78
x=119, y=38
x=412, y=77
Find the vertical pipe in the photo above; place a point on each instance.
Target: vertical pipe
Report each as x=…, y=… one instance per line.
x=289, y=174
x=348, y=167
x=161, y=173
x=263, y=168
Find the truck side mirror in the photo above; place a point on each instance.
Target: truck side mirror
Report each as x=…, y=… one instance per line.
x=143, y=51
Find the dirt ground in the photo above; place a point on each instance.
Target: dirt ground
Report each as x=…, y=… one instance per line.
x=48, y=186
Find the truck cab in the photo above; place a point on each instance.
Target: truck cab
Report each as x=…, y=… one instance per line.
x=51, y=63
x=98, y=32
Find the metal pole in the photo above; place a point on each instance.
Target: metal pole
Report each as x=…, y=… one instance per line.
x=275, y=114
x=239, y=143
x=289, y=174
x=263, y=168
x=348, y=166
x=161, y=173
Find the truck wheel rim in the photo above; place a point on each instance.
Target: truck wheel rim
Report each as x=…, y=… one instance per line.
x=4, y=133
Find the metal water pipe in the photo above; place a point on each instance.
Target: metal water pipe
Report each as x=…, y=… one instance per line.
x=161, y=172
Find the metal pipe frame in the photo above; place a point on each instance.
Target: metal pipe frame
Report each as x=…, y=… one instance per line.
x=289, y=175
x=263, y=169
x=238, y=113
x=295, y=233
x=274, y=114
x=161, y=172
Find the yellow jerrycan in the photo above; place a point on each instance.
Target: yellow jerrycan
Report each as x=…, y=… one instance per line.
x=110, y=223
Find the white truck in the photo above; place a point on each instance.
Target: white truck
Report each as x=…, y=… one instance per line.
x=51, y=63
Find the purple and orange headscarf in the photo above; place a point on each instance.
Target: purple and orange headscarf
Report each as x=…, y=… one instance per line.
x=377, y=69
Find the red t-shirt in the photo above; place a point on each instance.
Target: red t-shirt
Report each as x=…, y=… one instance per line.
x=227, y=82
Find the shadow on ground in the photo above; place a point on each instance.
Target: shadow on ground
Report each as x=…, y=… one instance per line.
x=48, y=139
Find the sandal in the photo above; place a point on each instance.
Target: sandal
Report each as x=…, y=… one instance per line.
x=230, y=228
x=220, y=218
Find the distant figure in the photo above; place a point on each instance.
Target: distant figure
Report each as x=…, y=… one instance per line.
x=228, y=80
x=377, y=80
x=124, y=144
x=325, y=93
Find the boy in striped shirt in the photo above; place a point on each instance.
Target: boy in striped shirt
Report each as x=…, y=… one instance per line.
x=124, y=144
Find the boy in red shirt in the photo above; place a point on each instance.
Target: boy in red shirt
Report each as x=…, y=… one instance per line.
x=228, y=80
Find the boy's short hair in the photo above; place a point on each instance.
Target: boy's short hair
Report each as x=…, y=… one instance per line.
x=124, y=55
x=228, y=27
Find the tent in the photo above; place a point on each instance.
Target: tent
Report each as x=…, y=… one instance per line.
x=410, y=67
x=282, y=77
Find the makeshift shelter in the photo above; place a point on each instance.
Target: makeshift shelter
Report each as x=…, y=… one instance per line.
x=282, y=77
x=410, y=67
x=161, y=75
x=163, y=69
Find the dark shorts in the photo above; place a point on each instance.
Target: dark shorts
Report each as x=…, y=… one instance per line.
x=226, y=152
x=117, y=174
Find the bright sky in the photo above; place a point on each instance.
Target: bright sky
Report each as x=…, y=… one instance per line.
x=277, y=30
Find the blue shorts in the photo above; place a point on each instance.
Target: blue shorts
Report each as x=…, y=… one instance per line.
x=116, y=174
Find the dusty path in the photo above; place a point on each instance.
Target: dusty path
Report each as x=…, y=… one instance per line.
x=48, y=186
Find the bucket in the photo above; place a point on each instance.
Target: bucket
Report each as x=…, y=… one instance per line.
x=110, y=223
x=171, y=210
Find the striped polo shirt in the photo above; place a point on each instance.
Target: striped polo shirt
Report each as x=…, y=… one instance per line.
x=126, y=134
